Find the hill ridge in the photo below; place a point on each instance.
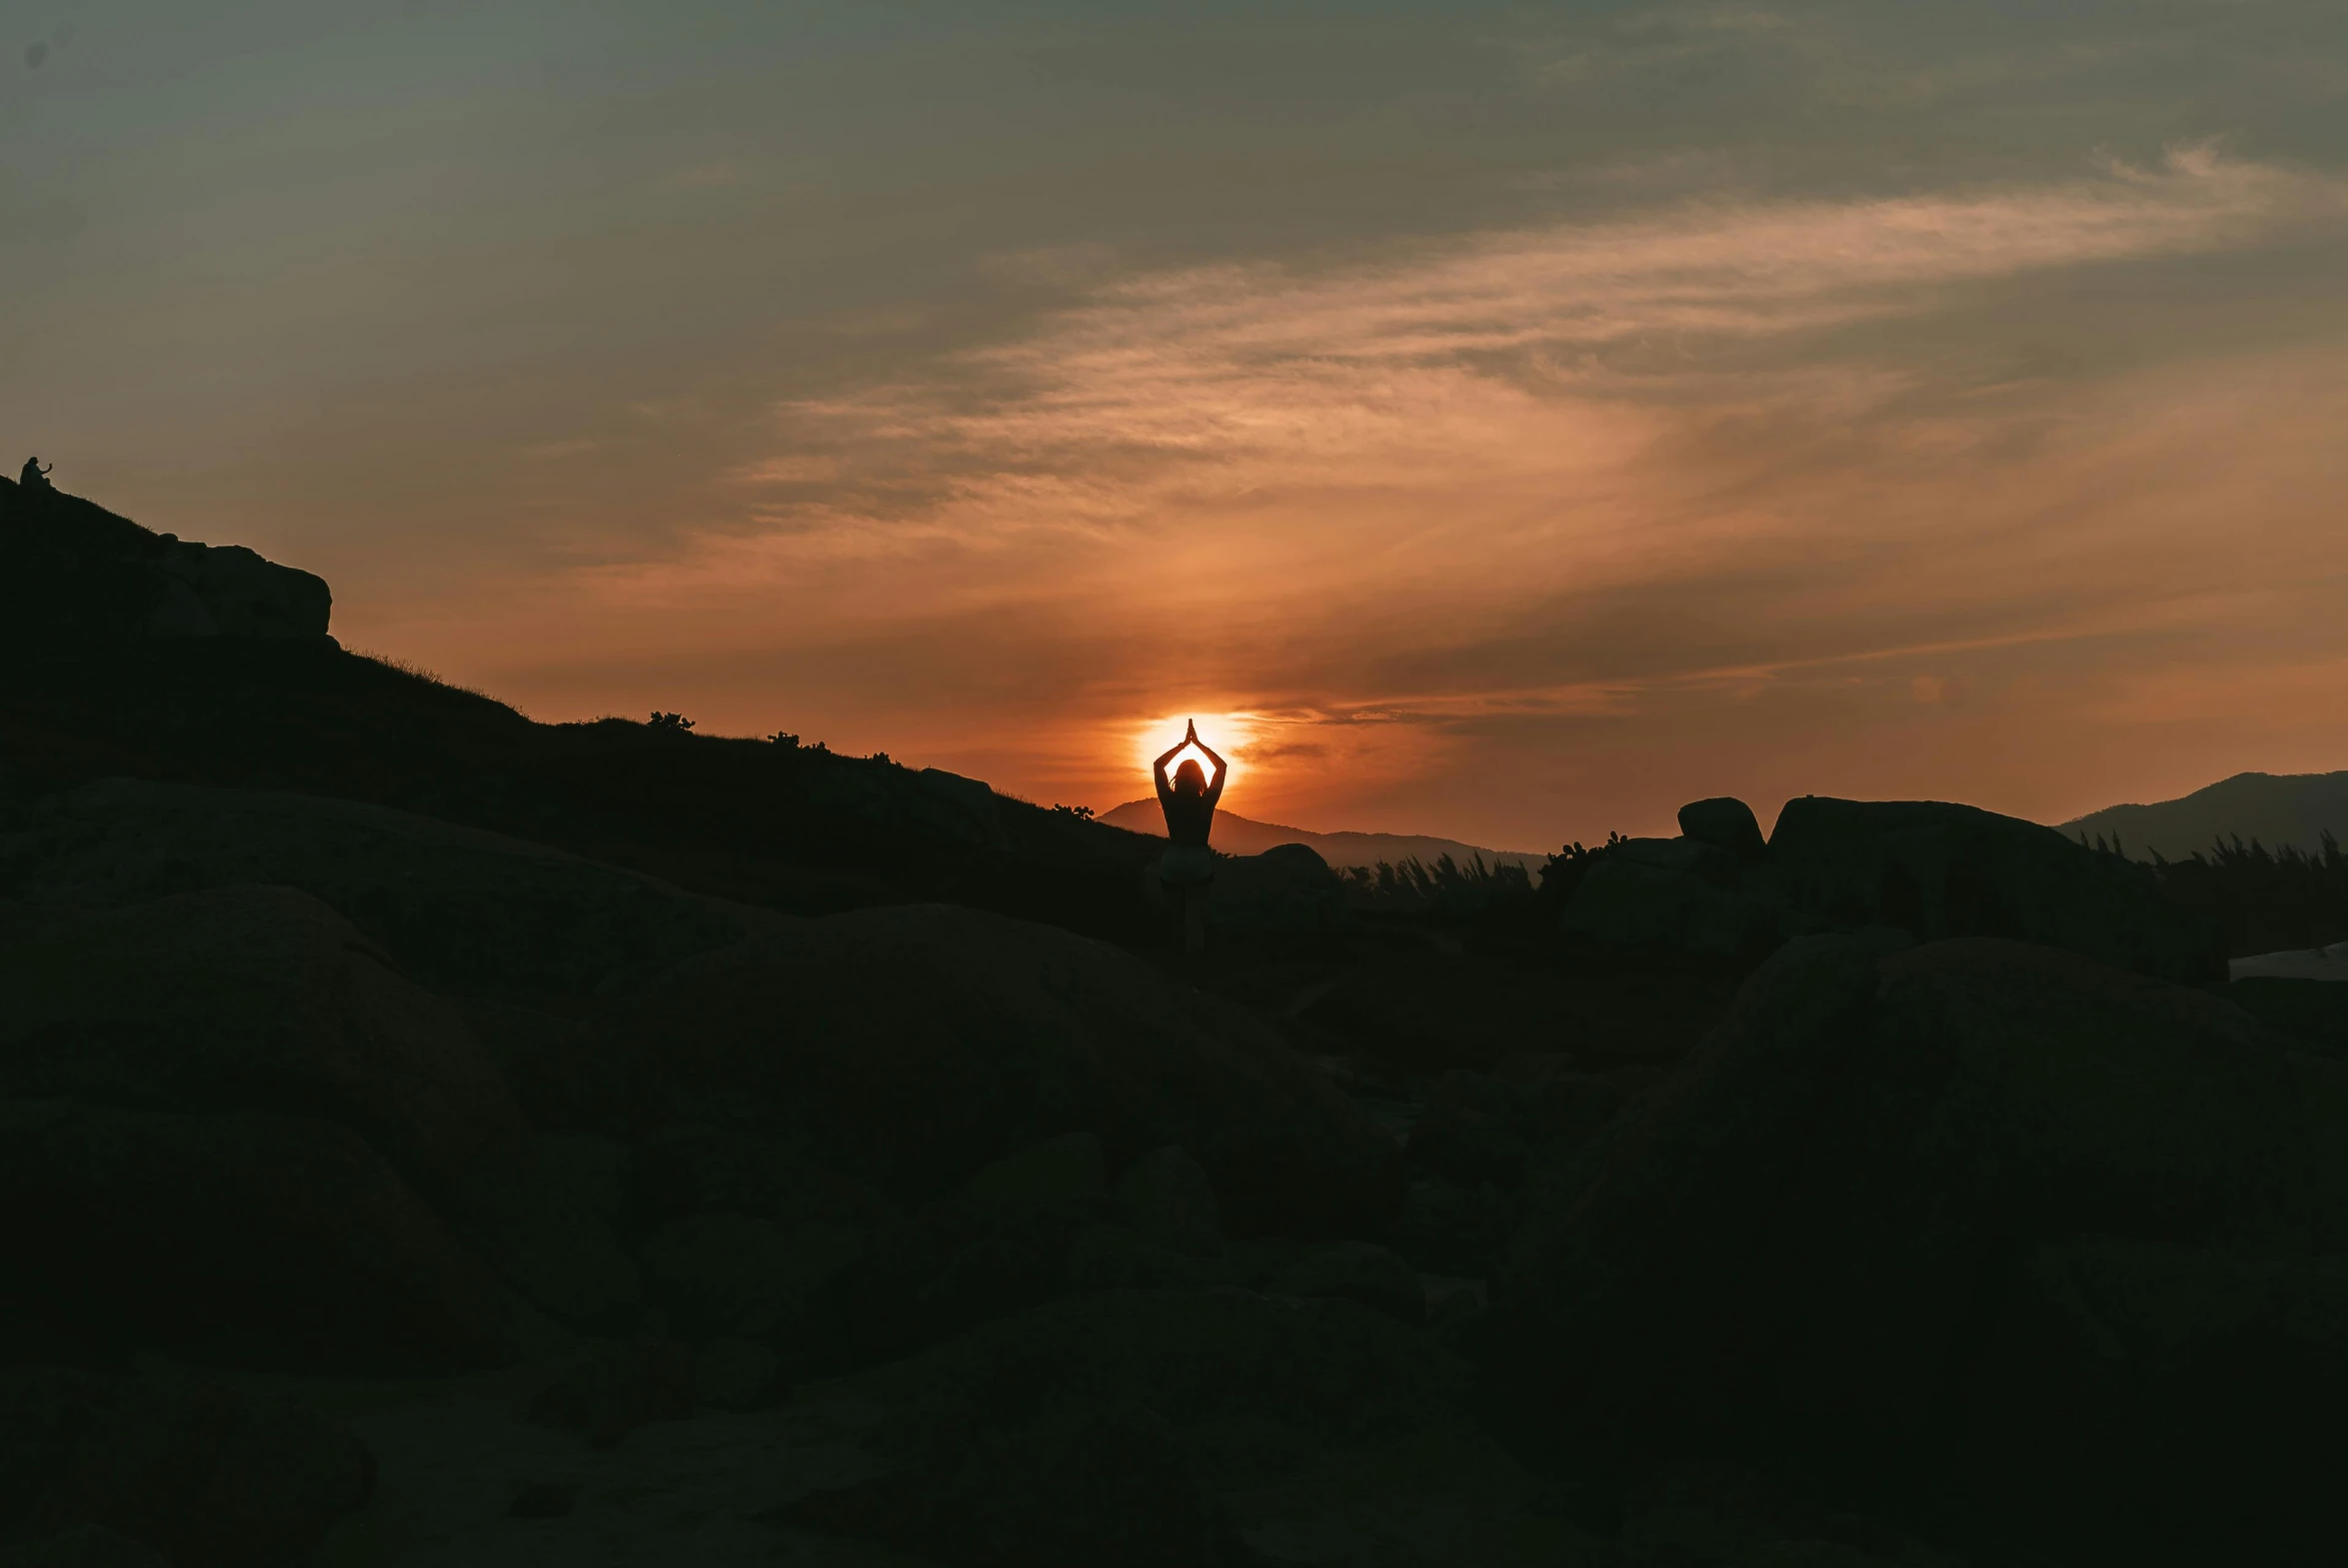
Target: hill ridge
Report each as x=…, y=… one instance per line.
x=2274, y=809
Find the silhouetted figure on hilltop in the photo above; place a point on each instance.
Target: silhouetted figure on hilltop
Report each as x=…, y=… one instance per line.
x=34, y=477
x=1188, y=867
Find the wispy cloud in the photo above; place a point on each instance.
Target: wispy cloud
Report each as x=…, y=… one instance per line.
x=1426, y=354
x=1530, y=482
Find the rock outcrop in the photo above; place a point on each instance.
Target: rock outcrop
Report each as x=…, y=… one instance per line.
x=1937, y=869
x=464, y=909
x=1923, y=870
x=71, y=570
x=1288, y=889
x=908, y=1046
x=2022, y=1238
x=236, y=1119
x=107, y=1469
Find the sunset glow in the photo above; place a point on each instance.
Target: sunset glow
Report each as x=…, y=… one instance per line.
x=1673, y=403
x=1228, y=734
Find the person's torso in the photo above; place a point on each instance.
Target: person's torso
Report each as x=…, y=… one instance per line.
x=1188, y=819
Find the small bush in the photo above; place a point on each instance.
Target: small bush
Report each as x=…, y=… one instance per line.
x=675, y=723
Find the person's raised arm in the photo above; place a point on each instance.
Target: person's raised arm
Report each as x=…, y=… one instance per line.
x=1157, y=769
x=1214, y=784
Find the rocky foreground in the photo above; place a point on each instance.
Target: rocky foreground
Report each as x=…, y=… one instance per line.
x=378, y=1187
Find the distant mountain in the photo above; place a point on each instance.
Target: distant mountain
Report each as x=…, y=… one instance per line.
x=2274, y=809
x=1236, y=834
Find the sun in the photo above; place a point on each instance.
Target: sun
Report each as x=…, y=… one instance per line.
x=1228, y=734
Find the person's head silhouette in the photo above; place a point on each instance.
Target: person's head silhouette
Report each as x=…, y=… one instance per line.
x=1190, y=778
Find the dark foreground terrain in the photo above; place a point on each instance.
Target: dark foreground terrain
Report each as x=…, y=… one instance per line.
x=431, y=1138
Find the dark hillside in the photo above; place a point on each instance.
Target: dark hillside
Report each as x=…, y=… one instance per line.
x=793, y=828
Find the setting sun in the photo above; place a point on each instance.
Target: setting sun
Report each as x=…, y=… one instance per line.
x=1228, y=734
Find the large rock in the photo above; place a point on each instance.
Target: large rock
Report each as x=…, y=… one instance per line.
x=1074, y=1486
x=1356, y=1271
x=458, y=906
x=1679, y=894
x=1167, y=1196
x=240, y=1235
x=263, y=1001
x=728, y=1275
x=73, y=569
x=1080, y=1431
x=1941, y=870
x=1288, y=889
x=1331, y=1368
x=91, y=1464
x=256, y=999
x=2313, y=1013
x=908, y=1046
x=2052, y=1246
x=1727, y=823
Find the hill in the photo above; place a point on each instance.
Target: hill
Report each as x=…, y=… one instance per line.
x=2274, y=809
x=1236, y=834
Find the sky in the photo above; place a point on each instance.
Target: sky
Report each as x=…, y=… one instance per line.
x=1499, y=421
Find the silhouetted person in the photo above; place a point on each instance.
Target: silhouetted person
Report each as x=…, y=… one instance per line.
x=1188, y=867
x=34, y=475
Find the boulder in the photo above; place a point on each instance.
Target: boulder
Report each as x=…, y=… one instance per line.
x=193, y=1473
x=684, y=1167
x=460, y=908
x=1053, y=1185
x=1075, y=1486
x=1818, y=1246
x=723, y=1274
x=908, y=1046
x=1687, y=856
x=1286, y=888
x=1357, y=1271
x=253, y=998
x=75, y=571
x=609, y=1391
x=1669, y=894
x=1452, y=1227
x=1097, y=1428
x=256, y=1236
x=2312, y=1013
x=1167, y=1196
x=1111, y=1257
x=81, y=1546
x=2328, y=964
x=546, y=1223
x=1943, y=871
x=736, y=1374
x=1331, y=1368
x=1727, y=823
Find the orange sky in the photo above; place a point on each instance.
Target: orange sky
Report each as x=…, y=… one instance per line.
x=1883, y=431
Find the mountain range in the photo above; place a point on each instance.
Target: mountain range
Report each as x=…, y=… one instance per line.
x=2274, y=809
